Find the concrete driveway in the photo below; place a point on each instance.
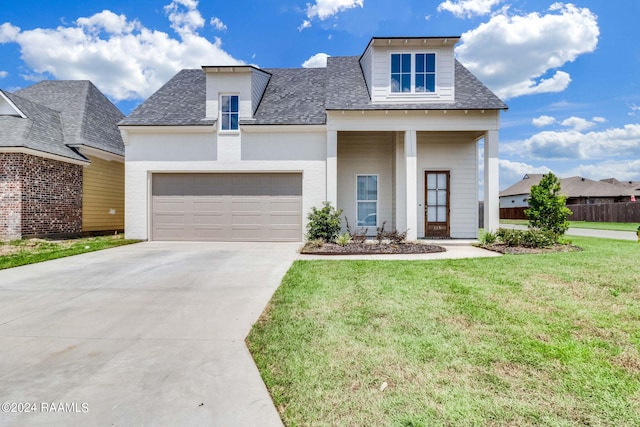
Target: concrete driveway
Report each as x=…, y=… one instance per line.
x=146, y=334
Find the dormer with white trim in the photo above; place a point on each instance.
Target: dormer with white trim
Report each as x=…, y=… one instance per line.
x=401, y=70
x=233, y=94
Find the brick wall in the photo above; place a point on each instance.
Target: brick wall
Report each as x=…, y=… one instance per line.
x=11, y=195
x=50, y=201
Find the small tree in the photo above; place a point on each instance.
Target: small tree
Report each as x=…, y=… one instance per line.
x=324, y=223
x=547, y=208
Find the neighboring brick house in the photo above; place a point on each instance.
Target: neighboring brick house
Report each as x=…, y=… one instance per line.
x=61, y=161
x=241, y=153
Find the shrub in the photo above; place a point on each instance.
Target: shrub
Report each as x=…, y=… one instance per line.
x=343, y=239
x=532, y=238
x=394, y=236
x=487, y=237
x=358, y=235
x=324, y=223
x=510, y=237
x=547, y=208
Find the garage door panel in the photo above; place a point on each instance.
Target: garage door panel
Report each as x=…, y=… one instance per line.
x=227, y=207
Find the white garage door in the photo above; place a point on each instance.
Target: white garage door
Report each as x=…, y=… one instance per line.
x=227, y=206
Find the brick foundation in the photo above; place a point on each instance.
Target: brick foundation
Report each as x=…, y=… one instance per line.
x=39, y=197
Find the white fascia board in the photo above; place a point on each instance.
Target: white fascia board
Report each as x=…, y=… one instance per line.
x=12, y=105
x=125, y=131
x=104, y=155
x=283, y=128
x=32, y=152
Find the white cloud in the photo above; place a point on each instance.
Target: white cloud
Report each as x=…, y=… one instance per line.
x=599, y=119
x=578, y=123
x=635, y=110
x=512, y=172
x=468, y=8
x=543, y=121
x=573, y=144
x=624, y=170
x=122, y=57
x=319, y=60
x=515, y=55
x=3, y=74
x=218, y=24
x=323, y=9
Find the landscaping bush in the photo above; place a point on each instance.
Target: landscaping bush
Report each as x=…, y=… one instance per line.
x=547, y=208
x=358, y=235
x=510, y=237
x=532, y=238
x=394, y=236
x=324, y=223
x=487, y=237
x=343, y=239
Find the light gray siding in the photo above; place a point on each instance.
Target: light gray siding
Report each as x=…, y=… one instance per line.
x=365, y=153
x=456, y=152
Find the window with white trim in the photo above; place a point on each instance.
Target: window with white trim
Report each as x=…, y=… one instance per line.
x=367, y=200
x=229, y=112
x=413, y=73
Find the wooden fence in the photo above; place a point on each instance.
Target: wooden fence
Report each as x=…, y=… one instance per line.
x=605, y=212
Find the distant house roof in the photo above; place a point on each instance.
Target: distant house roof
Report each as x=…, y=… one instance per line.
x=297, y=96
x=60, y=116
x=574, y=186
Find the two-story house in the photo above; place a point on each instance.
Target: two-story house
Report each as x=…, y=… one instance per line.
x=241, y=153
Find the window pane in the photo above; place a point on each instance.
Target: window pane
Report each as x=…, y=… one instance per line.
x=431, y=181
x=420, y=83
x=420, y=63
x=431, y=214
x=234, y=121
x=406, y=82
x=442, y=181
x=431, y=83
x=362, y=187
x=367, y=214
x=406, y=63
x=225, y=122
x=226, y=104
x=442, y=214
x=395, y=82
x=234, y=103
x=395, y=63
x=431, y=63
x=431, y=197
x=442, y=197
x=372, y=187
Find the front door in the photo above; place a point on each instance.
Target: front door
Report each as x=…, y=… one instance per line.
x=436, y=207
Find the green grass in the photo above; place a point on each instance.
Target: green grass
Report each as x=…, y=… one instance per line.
x=21, y=252
x=616, y=226
x=549, y=339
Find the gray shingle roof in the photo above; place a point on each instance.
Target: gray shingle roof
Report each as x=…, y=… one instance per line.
x=575, y=186
x=42, y=130
x=88, y=117
x=180, y=102
x=293, y=96
x=347, y=90
x=297, y=96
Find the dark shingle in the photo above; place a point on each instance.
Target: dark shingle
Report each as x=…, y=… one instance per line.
x=41, y=130
x=180, y=102
x=347, y=90
x=88, y=117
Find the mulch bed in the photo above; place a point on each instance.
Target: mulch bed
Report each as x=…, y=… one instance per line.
x=371, y=249
x=520, y=250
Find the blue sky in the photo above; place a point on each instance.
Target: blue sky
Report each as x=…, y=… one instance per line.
x=570, y=72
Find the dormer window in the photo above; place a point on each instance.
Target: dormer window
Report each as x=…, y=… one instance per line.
x=229, y=112
x=413, y=73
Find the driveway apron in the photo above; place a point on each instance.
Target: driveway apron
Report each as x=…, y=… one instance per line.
x=146, y=334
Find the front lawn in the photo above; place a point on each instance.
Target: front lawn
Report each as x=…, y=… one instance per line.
x=549, y=339
x=29, y=251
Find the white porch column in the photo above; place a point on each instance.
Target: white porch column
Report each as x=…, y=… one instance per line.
x=332, y=167
x=411, y=182
x=491, y=181
x=400, y=177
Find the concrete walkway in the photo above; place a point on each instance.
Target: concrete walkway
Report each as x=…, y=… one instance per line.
x=587, y=232
x=146, y=334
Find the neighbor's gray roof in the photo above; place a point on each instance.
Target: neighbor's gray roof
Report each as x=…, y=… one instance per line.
x=574, y=186
x=42, y=130
x=88, y=117
x=347, y=90
x=180, y=102
x=297, y=96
